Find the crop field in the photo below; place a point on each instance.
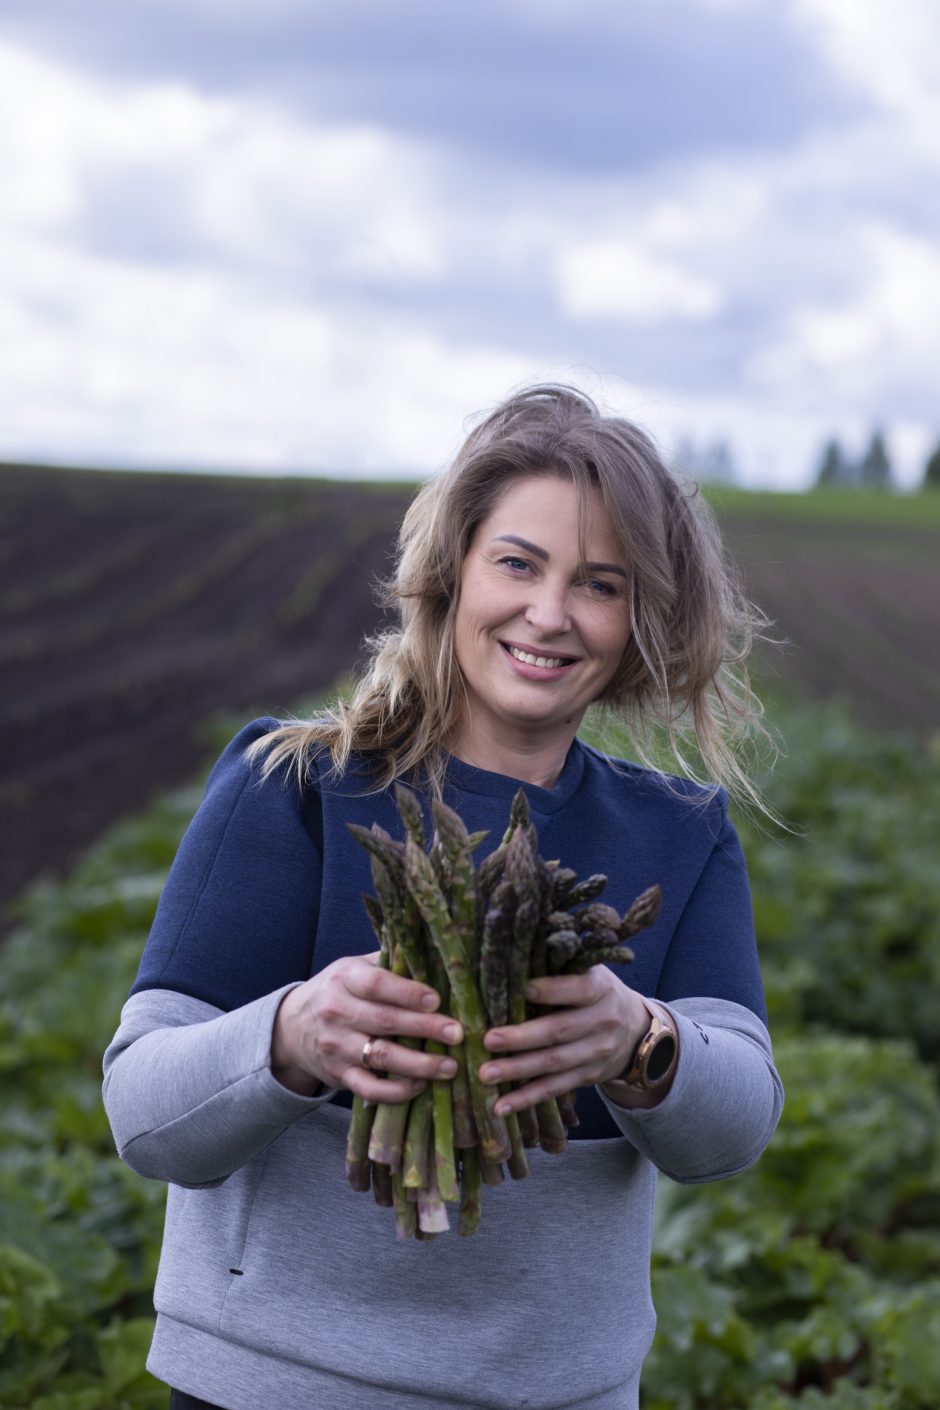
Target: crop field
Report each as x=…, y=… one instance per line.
x=852, y=585
x=135, y=607
x=138, y=610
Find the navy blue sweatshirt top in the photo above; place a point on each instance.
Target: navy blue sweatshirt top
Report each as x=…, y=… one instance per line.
x=266, y=888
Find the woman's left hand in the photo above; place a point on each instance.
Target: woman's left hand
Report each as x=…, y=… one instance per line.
x=591, y=1039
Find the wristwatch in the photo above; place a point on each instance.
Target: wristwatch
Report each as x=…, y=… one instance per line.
x=654, y=1058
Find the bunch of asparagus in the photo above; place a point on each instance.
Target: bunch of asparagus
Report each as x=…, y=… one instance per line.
x=477, y=936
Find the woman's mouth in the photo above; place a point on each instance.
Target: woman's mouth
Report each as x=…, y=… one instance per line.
x=541, y=660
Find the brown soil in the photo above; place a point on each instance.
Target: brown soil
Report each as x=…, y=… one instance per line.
x=134, y=607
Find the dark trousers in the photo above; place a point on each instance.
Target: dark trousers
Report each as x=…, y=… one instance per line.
x=180, y=1401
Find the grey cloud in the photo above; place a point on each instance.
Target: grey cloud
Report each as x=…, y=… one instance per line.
x=138, y=213
x=614, y=88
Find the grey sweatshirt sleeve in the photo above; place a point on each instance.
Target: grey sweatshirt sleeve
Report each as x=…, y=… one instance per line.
x=724, y=1103
x=189, y=1090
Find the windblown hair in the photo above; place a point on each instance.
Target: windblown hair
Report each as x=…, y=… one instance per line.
x=683, y=670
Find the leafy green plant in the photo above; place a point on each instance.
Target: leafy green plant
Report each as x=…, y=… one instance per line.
x=811, y=1282
x=820, y=1264
x=848, y=909
x=79, y=1233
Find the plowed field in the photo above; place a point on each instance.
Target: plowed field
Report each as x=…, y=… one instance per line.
x=134, y=607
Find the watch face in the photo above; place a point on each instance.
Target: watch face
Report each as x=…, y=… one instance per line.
x=660, y=1058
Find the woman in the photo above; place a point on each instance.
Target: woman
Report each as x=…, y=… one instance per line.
x=555, y=564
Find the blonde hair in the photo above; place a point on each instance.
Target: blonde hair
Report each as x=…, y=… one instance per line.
x=683, y=670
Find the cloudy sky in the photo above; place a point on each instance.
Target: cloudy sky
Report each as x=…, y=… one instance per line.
x=309, y=236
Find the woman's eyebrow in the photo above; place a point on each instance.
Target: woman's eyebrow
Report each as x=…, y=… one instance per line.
x=607, y=568
x=523, y=543
x=542, y=553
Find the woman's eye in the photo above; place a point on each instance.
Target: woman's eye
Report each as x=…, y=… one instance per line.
x=510, y=562
x=601, y=587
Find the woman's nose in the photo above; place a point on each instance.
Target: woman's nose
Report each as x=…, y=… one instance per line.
x=548, y=608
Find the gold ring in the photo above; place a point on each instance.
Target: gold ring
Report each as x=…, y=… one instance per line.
x=367, y=1053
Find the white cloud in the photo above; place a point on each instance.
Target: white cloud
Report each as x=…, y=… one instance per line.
x=860, y=350
x=198, y=280
x=614, y=279
x=889, y=48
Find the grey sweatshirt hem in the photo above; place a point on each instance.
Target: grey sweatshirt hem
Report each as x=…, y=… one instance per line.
x=240, y=1378
x=279, y=1285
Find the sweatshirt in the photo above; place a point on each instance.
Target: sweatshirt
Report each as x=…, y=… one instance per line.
x=277, y=1283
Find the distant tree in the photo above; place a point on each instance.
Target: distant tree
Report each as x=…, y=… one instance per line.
x=834, y=469
x=874, y=471
x=718, y=464
x=932, y=470
x=711, y=464
x=685, y=458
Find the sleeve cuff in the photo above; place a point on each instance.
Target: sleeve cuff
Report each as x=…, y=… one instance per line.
x=724, y=1102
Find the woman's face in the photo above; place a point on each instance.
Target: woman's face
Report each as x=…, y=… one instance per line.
x=539, y=631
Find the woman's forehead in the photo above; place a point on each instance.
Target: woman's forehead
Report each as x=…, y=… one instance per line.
x=554, y=506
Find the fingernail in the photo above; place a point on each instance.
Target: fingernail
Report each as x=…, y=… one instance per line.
x=448, y=1068
x=452, y=1033
x=531, y=991
x=430, y=1001
x=495, y=1040
x=502, y=1108
x=489, y=1072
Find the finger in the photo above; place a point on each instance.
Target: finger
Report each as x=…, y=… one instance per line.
x=382, y=986
x=392, y=1005
x=389, y=1021
x=572, y=1063
x=373, y=1087
x=520, y=1098
x=548, y=1031
x=395, y=1060
x=570, y=990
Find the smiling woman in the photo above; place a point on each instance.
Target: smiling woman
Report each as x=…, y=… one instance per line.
x=540, y=627
x=556, y=564
x=608, y=494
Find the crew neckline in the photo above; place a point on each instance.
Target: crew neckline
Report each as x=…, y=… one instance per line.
x=467, y=778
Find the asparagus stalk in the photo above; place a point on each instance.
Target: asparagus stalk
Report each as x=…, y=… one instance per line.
x=432, y=1211
x=416, y=1166
x=458, y=862
x=358, y=1170
x=406, y=1214
x=422, y=883
x=437, y=920
x=357, y=1144
x=471, y=1192
x=465, y=1130
x=382, y=1186
x=443, y=1126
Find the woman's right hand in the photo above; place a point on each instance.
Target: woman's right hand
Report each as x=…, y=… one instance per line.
x=323, y=1025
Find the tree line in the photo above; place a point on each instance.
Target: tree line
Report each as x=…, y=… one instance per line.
x=873, y=470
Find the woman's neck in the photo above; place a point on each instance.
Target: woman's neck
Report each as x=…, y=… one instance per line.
x=524, y=756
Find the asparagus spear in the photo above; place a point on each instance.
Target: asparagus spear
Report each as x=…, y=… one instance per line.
x=422, y=883
x=432, y=1211
x=416, y=1168
x=471, y=1192
x=517, y=917
x=382, y=1186
x=465, y=1130
x=406, y=1213
x=458, y=861
x=358, y=1170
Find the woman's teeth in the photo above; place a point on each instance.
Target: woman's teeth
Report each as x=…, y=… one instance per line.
x=531, y=660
